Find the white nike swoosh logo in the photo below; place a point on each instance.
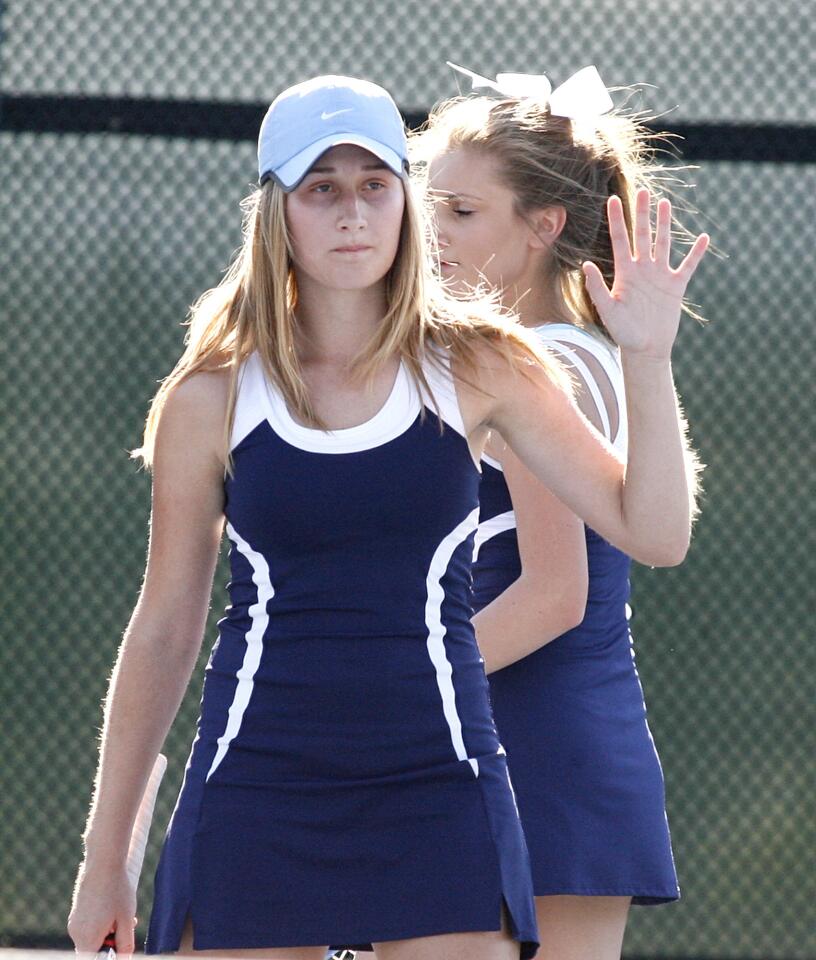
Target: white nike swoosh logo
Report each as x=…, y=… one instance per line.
x=334, y=113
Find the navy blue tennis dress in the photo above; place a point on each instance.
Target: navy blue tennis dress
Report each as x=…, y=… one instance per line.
x=346, y=783
x=571, y=715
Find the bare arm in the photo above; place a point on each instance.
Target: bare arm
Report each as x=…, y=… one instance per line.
x=549, y=597
x=644, y=507
x=158, y=651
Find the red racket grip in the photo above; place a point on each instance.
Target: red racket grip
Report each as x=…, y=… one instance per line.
x=109, y=943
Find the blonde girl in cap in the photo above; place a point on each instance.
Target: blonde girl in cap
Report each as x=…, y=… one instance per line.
x=329, y=413
x=528, y=187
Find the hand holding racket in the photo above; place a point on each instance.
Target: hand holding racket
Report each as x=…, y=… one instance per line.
x=138, y=844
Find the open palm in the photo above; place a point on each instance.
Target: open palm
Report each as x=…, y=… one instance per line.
x=642, y=310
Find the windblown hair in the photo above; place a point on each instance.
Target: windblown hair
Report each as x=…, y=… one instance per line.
x=546, y=161
x=254, y=308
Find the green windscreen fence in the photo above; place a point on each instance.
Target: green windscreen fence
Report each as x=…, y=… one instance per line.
x=112, y=222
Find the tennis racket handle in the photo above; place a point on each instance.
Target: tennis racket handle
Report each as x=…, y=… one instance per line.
x=108, y=949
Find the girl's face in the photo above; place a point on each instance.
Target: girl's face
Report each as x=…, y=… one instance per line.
x=344, y=219
x=480, y=236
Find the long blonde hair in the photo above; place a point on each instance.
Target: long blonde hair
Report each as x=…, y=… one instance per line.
x=254, y=308
x=547, y=160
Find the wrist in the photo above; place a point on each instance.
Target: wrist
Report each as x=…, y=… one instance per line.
x=651, y=358
x=637, y=364
x=104, y=855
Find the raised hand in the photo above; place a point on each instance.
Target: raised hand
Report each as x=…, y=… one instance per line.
x=642, y=310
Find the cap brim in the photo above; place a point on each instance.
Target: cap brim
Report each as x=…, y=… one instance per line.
x=289, y=174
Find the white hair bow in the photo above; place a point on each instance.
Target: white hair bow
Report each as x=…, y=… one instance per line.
x=583, y=97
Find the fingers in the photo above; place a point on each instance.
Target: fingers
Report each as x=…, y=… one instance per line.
x=643, y=226
x=90, y=935
x=596, y=285
x=662, y=244
x=642, y=250
x=87, y=937
x=621, y=251
x=125, y=936
x=692, y=259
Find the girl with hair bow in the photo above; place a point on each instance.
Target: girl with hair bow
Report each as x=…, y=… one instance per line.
x=536, y=195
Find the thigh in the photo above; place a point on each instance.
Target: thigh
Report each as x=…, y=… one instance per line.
x=482, y=945
x=266, y=953
x=581, y=928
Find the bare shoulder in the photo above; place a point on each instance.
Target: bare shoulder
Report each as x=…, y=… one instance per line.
x=198, y=401
x=194, y=414
x=502, y=372
x=492, y=364
x=479, y=383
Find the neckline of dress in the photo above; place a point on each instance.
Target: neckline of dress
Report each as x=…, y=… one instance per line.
x=395, y=415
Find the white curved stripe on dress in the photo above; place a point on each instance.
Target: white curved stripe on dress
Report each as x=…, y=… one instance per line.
x=491, y=528
x=496, y=464
x=259, y=618
x=589, y=380
x=436, y=631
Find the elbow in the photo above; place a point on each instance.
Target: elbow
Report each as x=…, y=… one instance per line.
x=674, y=551
x=673, y=559
x=663, y=554
x=660, y=545
x=573, y=610
x=564, y=610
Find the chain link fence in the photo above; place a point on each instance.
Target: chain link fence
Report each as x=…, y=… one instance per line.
x=106, y=239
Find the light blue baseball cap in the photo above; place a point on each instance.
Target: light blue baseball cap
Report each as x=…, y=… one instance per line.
x=306, y=120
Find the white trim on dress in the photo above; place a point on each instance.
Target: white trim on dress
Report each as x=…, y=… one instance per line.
x=436, y=631
x=259, y=617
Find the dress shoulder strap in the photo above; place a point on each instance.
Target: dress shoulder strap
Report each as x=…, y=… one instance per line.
x=561, y=337
x=437, y=369
x=252, y=399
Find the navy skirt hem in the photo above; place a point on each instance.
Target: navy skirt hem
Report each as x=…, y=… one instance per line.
x=441, y=855
x=528, y=946
x=170, y=939
x=638, y=899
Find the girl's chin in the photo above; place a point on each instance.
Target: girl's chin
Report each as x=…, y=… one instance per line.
x=346, y=283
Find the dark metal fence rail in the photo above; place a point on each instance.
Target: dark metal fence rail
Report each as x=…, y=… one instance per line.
x=119, y=204
x=217, y=120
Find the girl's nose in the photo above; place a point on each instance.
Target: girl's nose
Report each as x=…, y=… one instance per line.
x=351, y=215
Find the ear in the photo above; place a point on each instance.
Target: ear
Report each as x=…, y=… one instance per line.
x=546, y=224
